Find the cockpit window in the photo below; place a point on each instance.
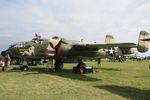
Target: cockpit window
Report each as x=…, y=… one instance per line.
x=18, y=45
x=40, y=41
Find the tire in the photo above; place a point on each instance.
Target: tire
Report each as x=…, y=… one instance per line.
x=24, y=68
x=61, y=65
x=58, y=64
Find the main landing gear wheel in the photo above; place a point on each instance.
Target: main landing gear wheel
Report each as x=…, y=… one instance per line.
x=58, y=64
x=24, y=68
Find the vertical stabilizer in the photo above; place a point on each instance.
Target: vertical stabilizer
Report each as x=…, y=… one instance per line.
x=109, y=39
x=143, y=45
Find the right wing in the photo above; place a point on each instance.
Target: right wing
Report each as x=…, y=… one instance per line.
x=101, y=46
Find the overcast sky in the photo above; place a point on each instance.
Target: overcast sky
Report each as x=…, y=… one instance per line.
x=90, y=20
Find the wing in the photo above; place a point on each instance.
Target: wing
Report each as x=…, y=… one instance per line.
x=100, y=46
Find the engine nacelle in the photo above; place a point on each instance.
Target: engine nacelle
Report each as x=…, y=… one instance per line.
x=123, y=51
x=65, y=50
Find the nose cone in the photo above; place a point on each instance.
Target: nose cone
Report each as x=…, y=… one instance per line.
x=4, y=53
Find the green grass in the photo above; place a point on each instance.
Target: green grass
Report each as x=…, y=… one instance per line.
x=114, y=81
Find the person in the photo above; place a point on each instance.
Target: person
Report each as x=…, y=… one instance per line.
x=24, y=66
x=24, y=63
x=81, y=65
x=40, y=35
x=3, y=64
x=7, y=61
x=36, y=36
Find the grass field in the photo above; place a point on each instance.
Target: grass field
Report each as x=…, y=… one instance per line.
x=114, y=81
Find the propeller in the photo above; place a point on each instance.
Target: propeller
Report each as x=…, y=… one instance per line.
x=52, y=46
x=57, y=48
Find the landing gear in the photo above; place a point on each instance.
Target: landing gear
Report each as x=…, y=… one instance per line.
x=24, y=68
x=50, y=65
x=99, y=63
x=58, y=64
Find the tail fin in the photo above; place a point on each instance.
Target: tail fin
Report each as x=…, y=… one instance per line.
x=109, y=39
x=143, y=45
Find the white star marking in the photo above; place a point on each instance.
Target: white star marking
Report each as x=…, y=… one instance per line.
x=111, y=51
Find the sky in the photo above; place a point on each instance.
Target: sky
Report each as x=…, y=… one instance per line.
x=90, y=20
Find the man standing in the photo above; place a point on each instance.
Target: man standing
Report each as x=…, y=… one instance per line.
x=2, y=64
x=7, y=60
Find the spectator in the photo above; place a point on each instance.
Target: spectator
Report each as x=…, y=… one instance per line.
x=7, y=61
x=3, y=64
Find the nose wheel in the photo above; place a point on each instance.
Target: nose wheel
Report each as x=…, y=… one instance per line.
x=24, y=68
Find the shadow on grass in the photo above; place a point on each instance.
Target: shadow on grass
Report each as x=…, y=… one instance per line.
x=127, y=92
x=142, y=76
x=109, y=69
x=67, y=73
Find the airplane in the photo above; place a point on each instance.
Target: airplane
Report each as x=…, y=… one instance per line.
x=58, y=48
x=37, y=49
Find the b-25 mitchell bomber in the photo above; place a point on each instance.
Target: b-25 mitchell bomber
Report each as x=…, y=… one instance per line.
x=59, y=48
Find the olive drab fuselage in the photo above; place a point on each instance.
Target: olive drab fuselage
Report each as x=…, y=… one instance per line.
x=31, y=49
x=46, y=48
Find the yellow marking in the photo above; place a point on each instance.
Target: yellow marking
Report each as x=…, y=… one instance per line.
x=23, y=49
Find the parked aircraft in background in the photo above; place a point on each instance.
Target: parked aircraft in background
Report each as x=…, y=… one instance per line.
x=59, y=48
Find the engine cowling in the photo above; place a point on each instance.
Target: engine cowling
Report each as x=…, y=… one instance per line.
x=67, y=50
x=62, y=49
x=123, y=51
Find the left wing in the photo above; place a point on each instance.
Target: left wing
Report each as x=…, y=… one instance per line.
x=110, y=45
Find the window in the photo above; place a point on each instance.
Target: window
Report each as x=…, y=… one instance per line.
x=18, y=45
